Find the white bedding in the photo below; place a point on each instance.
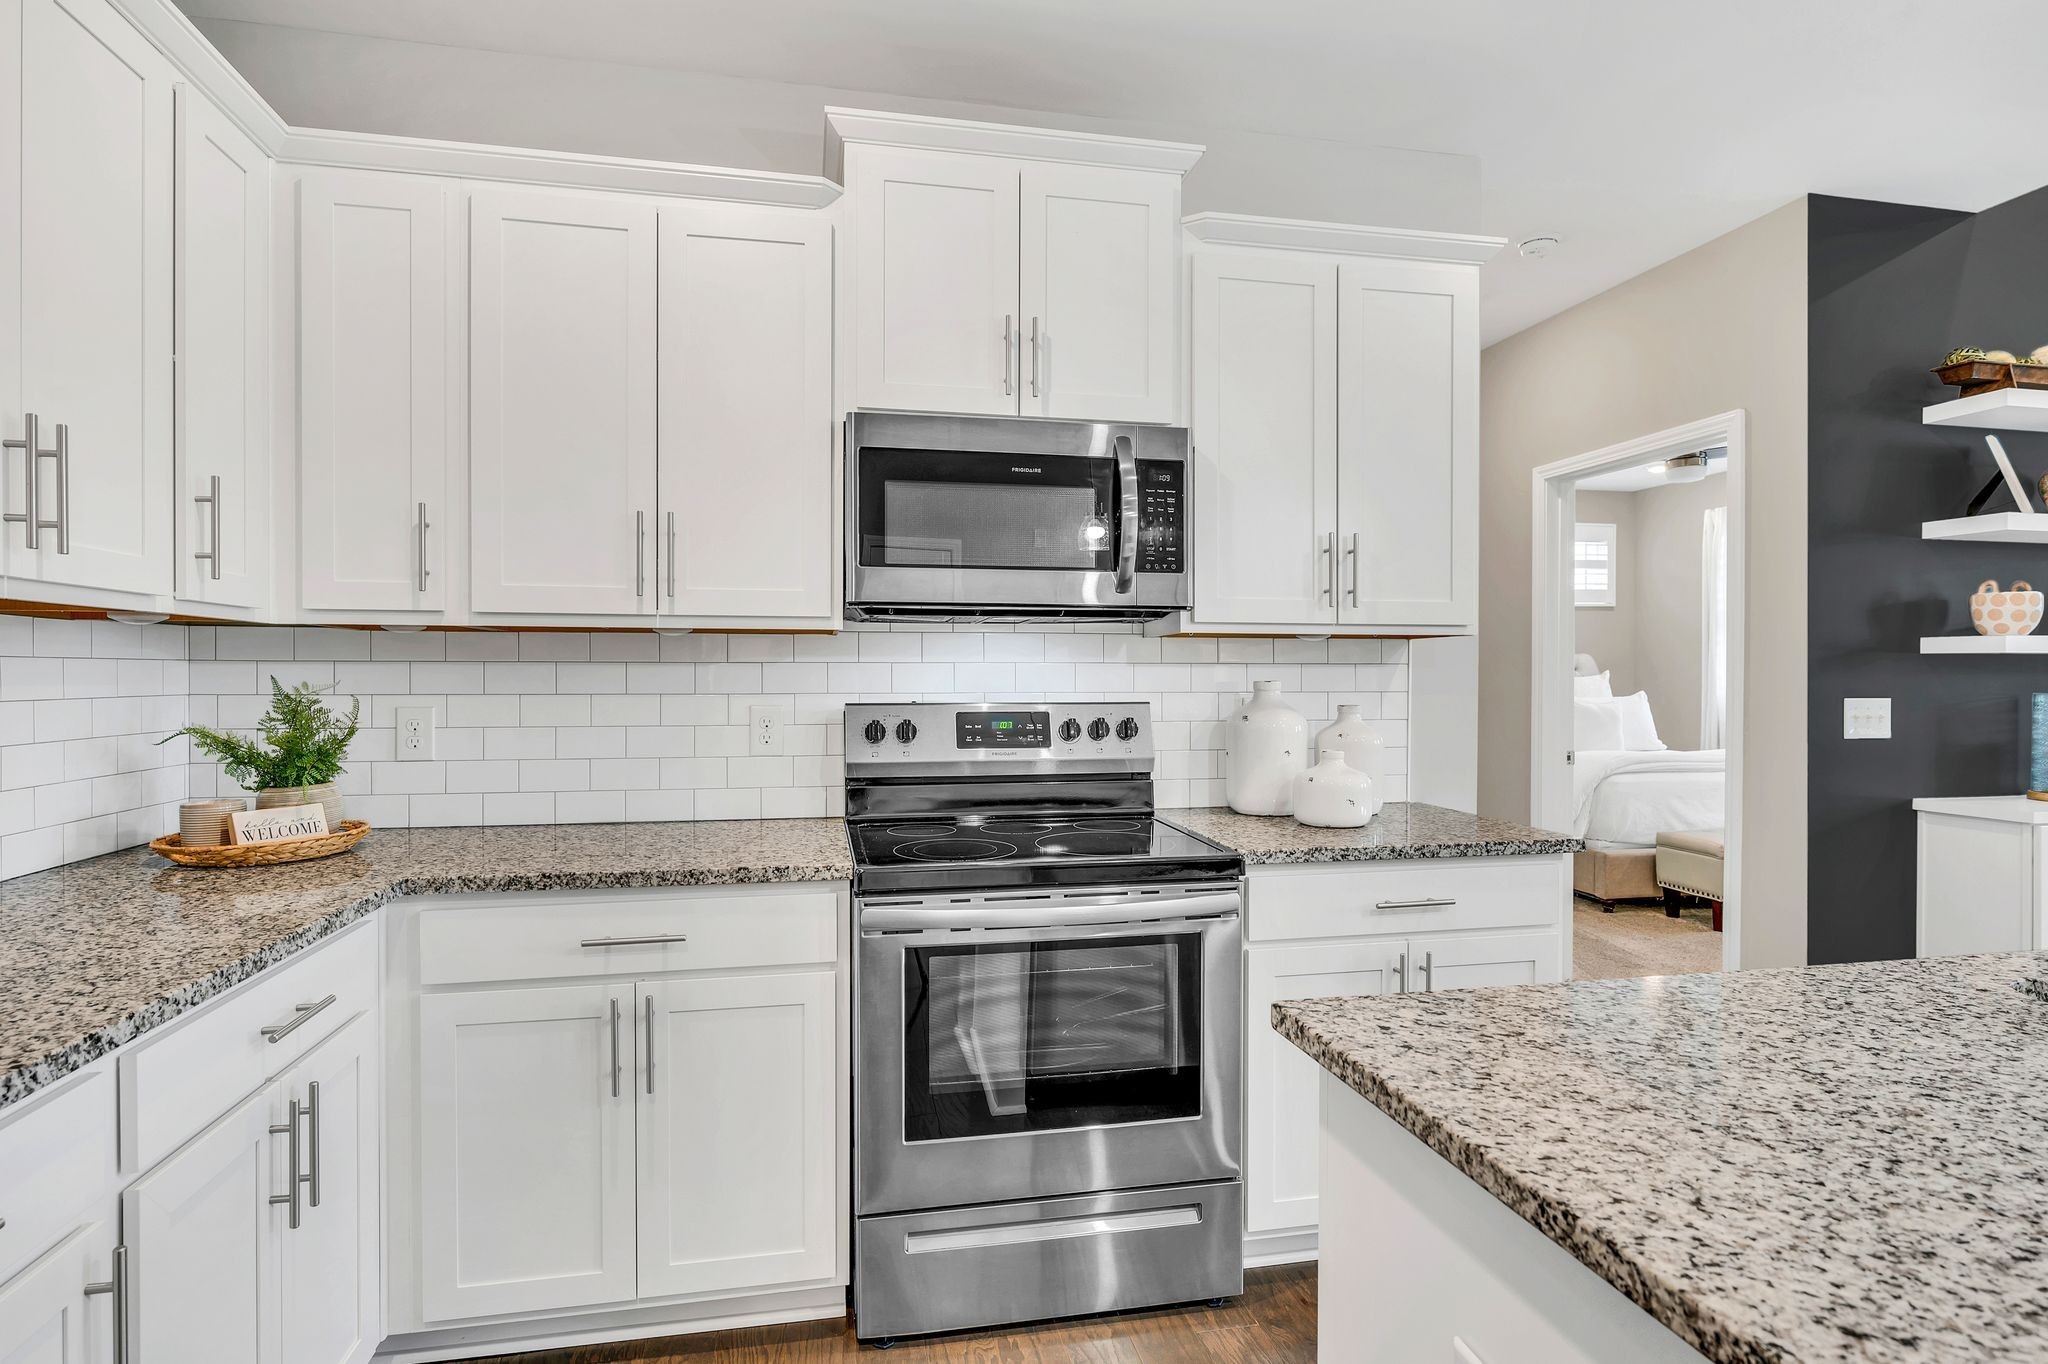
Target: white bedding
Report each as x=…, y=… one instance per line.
x=1624, y=800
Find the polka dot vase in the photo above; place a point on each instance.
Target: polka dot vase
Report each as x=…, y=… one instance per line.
x=2014, y=611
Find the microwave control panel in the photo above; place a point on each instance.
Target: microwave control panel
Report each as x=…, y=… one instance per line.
x=1162, y=515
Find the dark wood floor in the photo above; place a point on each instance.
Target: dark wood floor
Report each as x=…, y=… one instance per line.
x=1273, y=1323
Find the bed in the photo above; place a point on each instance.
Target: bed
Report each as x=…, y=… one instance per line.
x=1623, y=800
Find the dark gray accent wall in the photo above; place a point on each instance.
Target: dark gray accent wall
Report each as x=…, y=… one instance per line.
x=1892, y=288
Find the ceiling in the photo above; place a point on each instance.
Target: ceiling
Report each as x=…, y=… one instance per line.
x=1631, y=131
x=1646, y=476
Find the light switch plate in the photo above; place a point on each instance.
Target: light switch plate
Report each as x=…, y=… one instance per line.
x=1867, y=717
x=415, y=740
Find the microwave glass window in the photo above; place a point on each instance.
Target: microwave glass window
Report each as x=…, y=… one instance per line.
x=1022, y=1037
x=941, y=509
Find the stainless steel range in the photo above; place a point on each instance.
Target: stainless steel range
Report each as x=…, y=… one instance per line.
x=1047, y=984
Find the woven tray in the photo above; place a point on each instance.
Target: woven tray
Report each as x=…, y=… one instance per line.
x=262, y=854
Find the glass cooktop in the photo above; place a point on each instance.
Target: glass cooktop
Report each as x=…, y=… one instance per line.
x=1000, y=842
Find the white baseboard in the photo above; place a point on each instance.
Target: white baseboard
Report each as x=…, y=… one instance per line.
x=601, y=1328
x=1278, y=1248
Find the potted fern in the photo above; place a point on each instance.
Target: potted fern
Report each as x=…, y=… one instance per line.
x=298, y=757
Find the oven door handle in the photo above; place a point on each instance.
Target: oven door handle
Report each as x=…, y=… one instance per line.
x=1038, y=914
x=1127, y=520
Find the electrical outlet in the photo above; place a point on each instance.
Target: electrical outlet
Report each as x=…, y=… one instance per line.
x=1867, y=717
x=765, y=724
x=415, y=733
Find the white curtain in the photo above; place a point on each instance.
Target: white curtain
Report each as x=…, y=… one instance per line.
x=1714, y=629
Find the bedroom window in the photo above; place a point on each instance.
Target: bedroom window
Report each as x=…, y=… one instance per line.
x=1593, y=564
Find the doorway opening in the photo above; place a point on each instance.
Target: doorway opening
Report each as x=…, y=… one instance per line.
x=1636, y=693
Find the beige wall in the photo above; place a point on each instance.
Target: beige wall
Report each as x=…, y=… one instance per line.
x=1609, y=632
x=1721, y=327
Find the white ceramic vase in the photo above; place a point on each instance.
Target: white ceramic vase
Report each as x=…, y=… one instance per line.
x=1360, y=743
x=1333, y=794
x=1266, y=744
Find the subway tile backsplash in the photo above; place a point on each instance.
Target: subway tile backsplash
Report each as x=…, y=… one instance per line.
x=563, y=727
x=548, y=727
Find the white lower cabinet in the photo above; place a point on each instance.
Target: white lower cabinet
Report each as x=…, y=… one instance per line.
x=1317, y=931
x=256, y=1242
x=59, y=1310
x=526, y=1148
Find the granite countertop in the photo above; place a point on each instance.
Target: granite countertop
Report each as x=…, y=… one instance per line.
x=1824, y=1165
x=1402, y=830
x=93, y=954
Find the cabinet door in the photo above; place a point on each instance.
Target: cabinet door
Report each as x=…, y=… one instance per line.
x=935, y=281
x=46, y=1316
x=1280, y=1113
x=1281, y=1082
x=373, y=392
x=561, y=404
x=202, y=1240
x=746, y=412
x=1265, y=439
x=737, y=1132
x=95, y=205
x=329, y=1266
x=1408, y=444
x=1469, y=963
x=526, y=1149
x=1099, y=293
x=222, y=408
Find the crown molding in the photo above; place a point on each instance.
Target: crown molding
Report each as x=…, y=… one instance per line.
x=873, y=127
x=1290, y=234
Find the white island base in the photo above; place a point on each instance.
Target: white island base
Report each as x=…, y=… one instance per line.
x=1422, y=1266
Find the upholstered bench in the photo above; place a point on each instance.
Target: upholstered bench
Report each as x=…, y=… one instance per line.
x=1691, y=864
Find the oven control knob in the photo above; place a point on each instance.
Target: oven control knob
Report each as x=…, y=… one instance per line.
x=1127, y=729
x=905, y=732
x=1098, y=729
x=1070, y=730
x=875, y=732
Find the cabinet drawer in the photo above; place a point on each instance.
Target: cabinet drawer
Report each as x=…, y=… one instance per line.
x=1353, y=900
x=178, y=1081
x=57, y=1156
x=538, y=937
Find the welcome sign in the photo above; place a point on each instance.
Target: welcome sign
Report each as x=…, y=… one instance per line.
x=280, y=825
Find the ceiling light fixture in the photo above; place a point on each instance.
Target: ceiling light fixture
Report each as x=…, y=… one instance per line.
x=1536, y=248
x=1686, y=469
x=137, y=617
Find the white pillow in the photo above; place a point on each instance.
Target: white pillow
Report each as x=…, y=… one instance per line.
x=1638, y=726
x=1596, y=726
x=1598, y=687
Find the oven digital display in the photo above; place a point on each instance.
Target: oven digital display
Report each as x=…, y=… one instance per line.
x=1002, y=729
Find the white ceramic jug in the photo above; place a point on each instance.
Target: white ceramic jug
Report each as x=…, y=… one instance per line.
x=1333, y=794
x=1266, y=744
x=1360, y=743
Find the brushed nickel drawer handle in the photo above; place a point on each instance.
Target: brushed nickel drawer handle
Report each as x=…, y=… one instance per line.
x=294, y=1177
x=312, y=1114
x=277, y=1032
x=644, y=940
x=117, y=1289
x=1427, y=903
x=650, y=1044
x=615, y=1047
x=210, y=499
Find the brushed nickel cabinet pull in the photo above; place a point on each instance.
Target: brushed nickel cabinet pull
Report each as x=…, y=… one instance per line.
x=650, y=1044
x=294, y=1177
x=117, y=1289
x=1351, y=553
x=277, y=1032
x=1443, y=903
x=1034, y=357
x=615, y=1047
x=671, y=559
x=33, y=454
x=210, y=499
x=425, y=572
x=1428, y=971
x=639, y=553
x=1009, y=354
x=641, y=940
x=312, y=1112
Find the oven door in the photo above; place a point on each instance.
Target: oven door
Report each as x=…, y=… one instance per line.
x=1002, y=1058
x=1003, y=516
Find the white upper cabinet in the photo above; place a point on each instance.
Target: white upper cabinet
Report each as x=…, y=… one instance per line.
x=1099, y=293
x=223, y=335
x=746, y=468
x=1264, y=332
x=1335, y=392
x=1408, y=444
x=935, y=281
x=1010, y=271
x=562, y=292
x=85, y=251
x=373, y=393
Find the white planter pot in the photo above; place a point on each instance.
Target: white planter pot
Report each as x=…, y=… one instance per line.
x=1333, y=794
x=1360, y=743
x=1266, y=742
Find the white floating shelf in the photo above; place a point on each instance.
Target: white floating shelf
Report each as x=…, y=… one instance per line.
x=2006, y=409
x=2007, y=528
x=1984, y=644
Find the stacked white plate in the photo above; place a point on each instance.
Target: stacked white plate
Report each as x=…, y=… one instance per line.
x=204, y=823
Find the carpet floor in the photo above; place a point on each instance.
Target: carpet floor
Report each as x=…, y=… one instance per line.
x=1641, y=942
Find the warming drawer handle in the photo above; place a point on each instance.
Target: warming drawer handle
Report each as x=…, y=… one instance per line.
x=1053, y=1229
x=1038, y=914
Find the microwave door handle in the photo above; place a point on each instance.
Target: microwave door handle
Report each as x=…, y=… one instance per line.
x=1127, y=503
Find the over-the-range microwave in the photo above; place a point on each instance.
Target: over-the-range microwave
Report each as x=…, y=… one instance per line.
x=1013, y=518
